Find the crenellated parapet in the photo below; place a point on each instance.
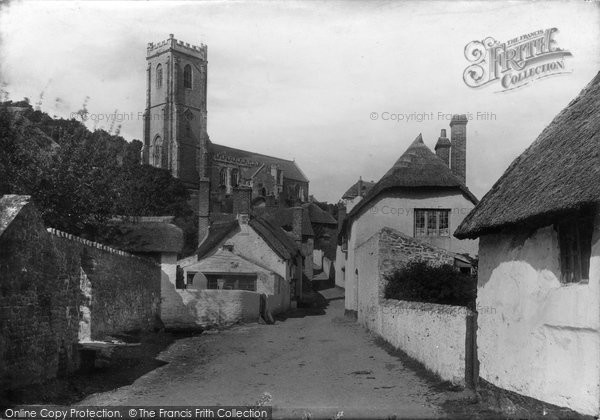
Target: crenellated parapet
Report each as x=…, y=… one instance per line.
x=155, y=48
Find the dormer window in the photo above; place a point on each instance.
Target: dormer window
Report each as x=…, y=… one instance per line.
x=187, y=76
x=159, y=76
x=575, y=247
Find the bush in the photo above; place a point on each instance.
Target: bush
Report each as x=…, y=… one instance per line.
x=443, y=284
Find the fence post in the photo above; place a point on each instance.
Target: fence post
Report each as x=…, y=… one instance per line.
x=471, y=362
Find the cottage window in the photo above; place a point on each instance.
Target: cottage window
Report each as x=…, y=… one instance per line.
x=432, y=222
x=159, y=76
x=231, y=282
x=187, y=76
x=575, y=246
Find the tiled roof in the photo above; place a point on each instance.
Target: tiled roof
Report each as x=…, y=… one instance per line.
x=289, y=167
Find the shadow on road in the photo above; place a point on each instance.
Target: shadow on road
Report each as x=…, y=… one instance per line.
x=123, y=367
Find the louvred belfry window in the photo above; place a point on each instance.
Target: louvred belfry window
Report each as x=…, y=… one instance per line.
x=187, y=76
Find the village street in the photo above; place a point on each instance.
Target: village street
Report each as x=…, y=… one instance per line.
x=318, y=363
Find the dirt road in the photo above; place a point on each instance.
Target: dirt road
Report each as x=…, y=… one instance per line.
x=315, y=362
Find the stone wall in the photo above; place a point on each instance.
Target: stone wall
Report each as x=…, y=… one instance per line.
x=125, y=289
x=430, y=333
x=433, y=334
x=396, y=249
x=190, y=308
x=56, y=289
x=39, y=304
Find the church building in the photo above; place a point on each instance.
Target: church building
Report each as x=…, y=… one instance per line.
x=176, y=139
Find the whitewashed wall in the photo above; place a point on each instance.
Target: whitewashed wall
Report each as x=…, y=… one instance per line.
x=537, y=336
x=432, y=334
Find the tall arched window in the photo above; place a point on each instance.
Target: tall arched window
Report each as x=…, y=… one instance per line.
x=157, y=152
x=187, y=76
x=159, y=76
x=235, y=177
x=223, y=177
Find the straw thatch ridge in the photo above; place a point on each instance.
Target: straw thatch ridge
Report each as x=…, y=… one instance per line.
x=275, y=237
x=417, y=168
x=558, y=173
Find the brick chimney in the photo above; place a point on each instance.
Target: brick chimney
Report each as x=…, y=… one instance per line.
x=458, y=152
x=242, y=198
x=297, y=215
x=442, y=147
x=359, y=186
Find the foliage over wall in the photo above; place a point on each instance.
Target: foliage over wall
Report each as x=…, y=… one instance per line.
x=79, y=178
x=421, y=282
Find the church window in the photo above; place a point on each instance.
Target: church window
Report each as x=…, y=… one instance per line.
x=187, y=76
x=235, y=177
x=157, y=152
x=223, y=176
x=159, y=76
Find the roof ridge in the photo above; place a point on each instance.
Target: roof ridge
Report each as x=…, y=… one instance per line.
x=254, y=153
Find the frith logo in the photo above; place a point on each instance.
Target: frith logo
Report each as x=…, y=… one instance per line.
x=514, y=63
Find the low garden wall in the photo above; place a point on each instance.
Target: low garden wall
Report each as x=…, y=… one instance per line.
x=435, y=335
x=190, y=308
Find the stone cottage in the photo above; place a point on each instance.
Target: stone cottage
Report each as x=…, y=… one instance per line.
x=242, y=257
x=539, y=264
x=423, y=195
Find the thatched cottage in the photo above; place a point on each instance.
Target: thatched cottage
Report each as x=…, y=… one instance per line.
x=539, y=264
x=423, y=196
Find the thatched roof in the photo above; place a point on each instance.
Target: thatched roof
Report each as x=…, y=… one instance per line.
x=289, y=167
x=144, y=237
x=352, y=192
x=558, y=173
x=417, y=169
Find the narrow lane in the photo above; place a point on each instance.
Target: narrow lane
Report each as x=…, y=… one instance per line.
x=319, y=363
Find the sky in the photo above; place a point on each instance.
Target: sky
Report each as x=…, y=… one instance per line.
x=316, y=81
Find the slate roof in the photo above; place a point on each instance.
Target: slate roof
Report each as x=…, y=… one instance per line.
x=352, y=192
x=217, y=232
x=224, y=261
x=271, y=233
x=289, y=167
x=558, y=173
x=417, y=169
x=284, y=218
x=318, y=215
x=275, y=237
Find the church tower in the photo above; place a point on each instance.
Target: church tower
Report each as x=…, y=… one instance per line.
x=175, y=131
